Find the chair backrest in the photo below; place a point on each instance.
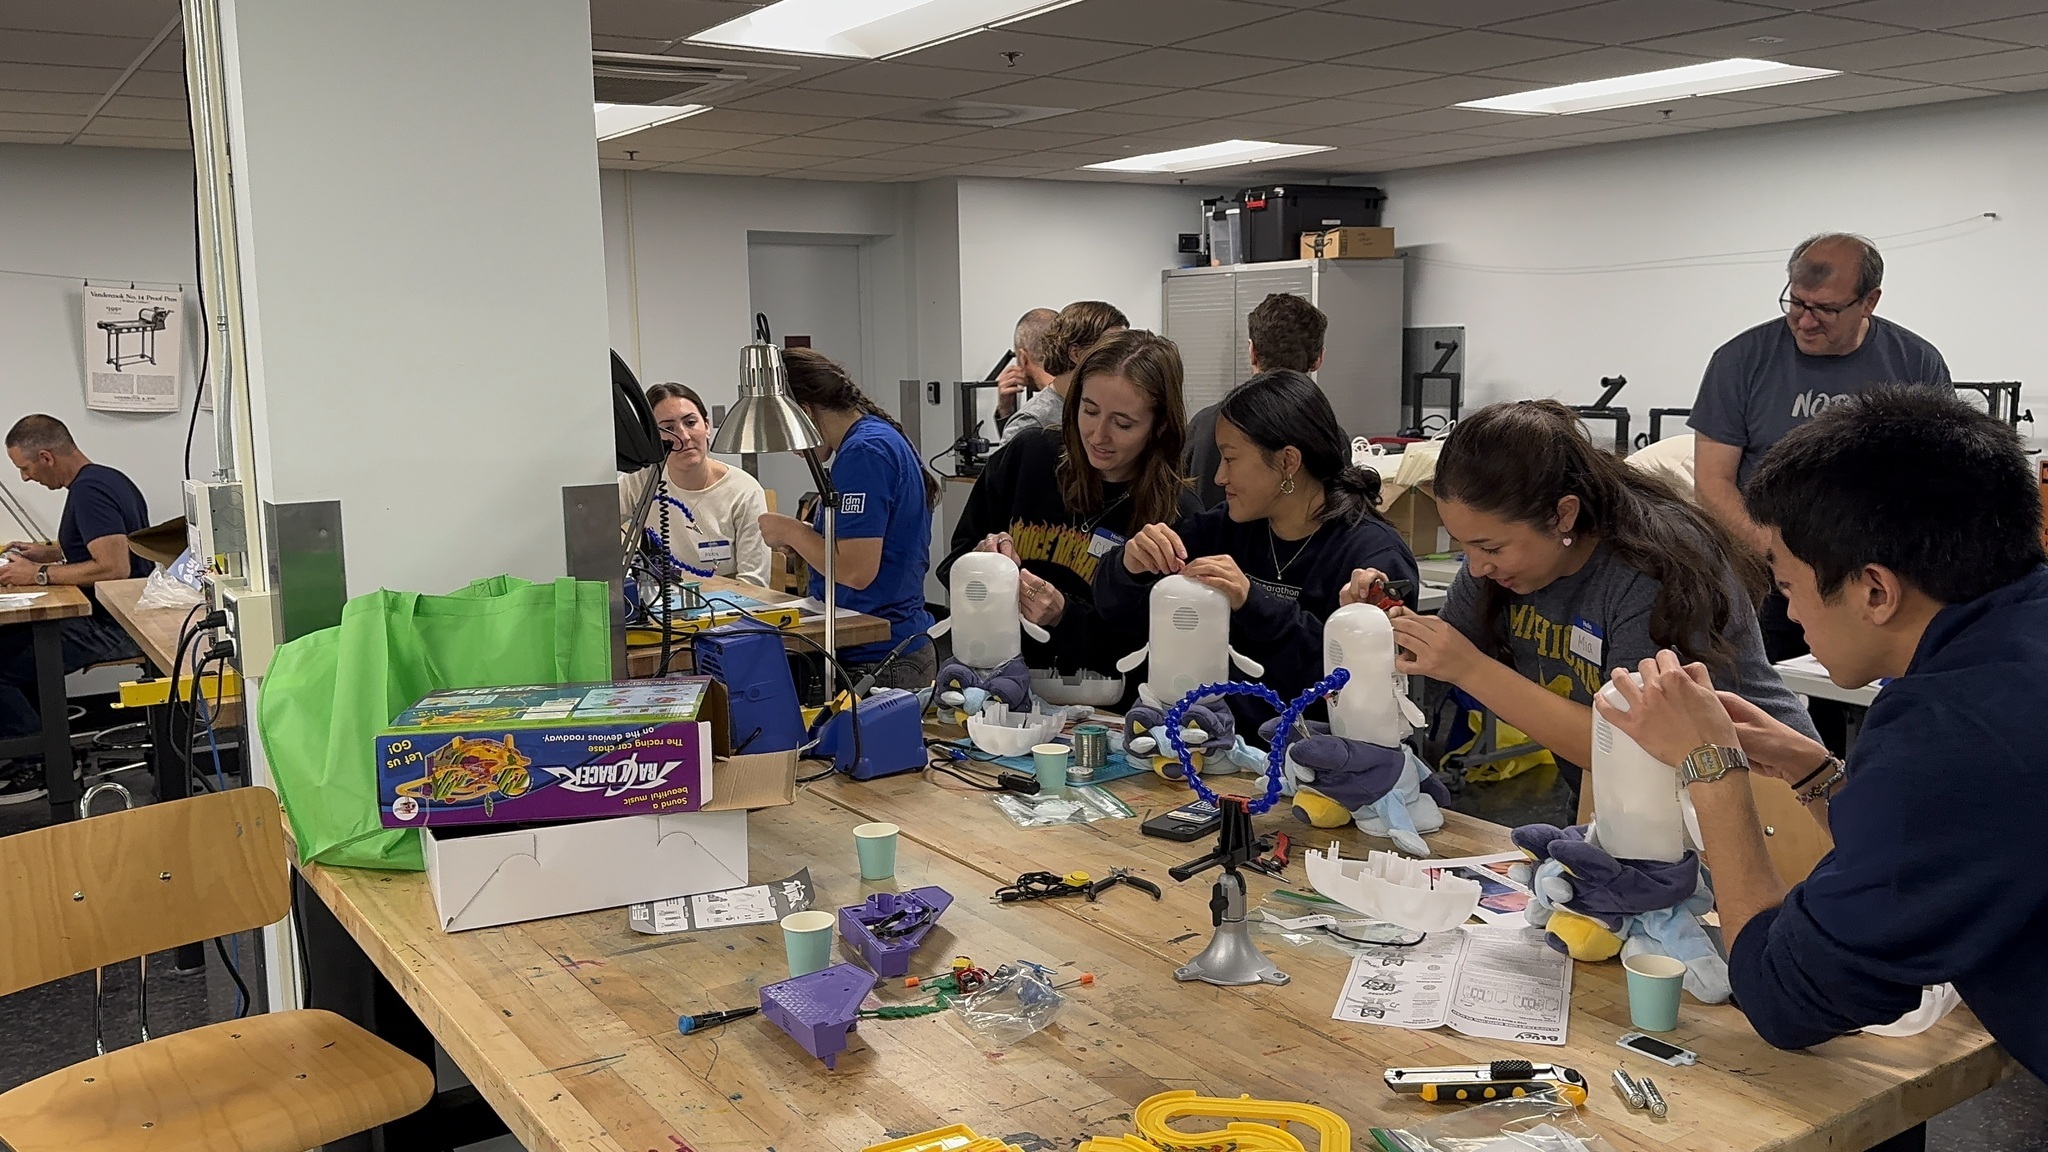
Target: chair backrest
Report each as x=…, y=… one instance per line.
x=92, y=892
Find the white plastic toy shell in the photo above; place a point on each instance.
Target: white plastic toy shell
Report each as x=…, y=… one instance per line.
x=1374, y=706
x=1089, y=688
x=1000, y=732
x=1189, y=642
x=986, y=628
x=1393, y=888
x=1637, y=813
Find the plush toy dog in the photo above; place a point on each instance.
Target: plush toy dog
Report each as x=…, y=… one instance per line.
x=965, y=689
x=1390, y=792
x=1594, y=907
x=1211, y=736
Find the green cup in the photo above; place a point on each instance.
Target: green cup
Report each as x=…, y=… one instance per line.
x=807, y=939
x=1051, y=761
x=876, y=844
x=1653, y=986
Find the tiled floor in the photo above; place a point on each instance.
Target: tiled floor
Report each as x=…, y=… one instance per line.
x=46, y=1028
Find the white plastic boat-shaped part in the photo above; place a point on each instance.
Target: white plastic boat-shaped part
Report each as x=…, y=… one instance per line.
x=1393, y=888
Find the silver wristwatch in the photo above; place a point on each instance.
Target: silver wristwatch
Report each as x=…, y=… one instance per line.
x=1710, y=762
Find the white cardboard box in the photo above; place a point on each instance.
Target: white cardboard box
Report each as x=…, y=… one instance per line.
x=484, y=878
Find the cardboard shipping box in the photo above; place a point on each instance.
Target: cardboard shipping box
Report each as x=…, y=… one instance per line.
x=1412, y=512
x=1348, y=244
x=482, y=876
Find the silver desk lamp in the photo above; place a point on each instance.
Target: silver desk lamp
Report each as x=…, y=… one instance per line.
x=767, y=419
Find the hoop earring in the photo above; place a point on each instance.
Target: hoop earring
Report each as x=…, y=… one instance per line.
x=1287, y=485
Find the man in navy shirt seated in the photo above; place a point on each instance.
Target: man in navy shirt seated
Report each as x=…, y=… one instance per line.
x=101, y=507
x=1905, y=531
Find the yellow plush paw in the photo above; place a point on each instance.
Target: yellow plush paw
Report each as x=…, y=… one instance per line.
x=1319, y=811
x=1583, y=938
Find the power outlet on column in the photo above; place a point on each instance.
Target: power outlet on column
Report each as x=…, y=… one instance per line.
x=253, y=625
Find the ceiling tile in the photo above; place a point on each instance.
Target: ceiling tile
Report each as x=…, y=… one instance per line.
x=760, y=123
x=1444, y=91
x=1440, y=120
x=1823, y=90
x=144, y=18
x=1204, y=102
x=1628, y=21
x=817, y=102
x=872, y=166
x=1366, y=136
x=1933, y=94
x=607, y=164
x=1893, y=51
x=1535, y=127
x=1970, y=69
x=1673, y=111
x=822, y=146
x=1464, y=52
x=1037, y=55
x=1025, y=139
x=167, y=85
x=1176, y=68
x=2031, y=29
x=1148, y=22
x=1594, y=64
x=52, y=78
x=12, y=136
x=1935, y=16
x=1763, y=116
x=1323, y=80
x=1000, y=171
x=1315, y=113
x=49, y=103
x=1313, y=36
x=1461, y=14
x=627, y=44
x=106, y=125
x=946, y=153
x=1774, y=38
x=662, y=19
x=38, y=122
x=890, y=78
x=101, y=140
x=1117, y=123
x=2015, y=84
x=895, y=131
x=647, y=152
x=1635, y=132
x=682, y=136
x=1060, y=92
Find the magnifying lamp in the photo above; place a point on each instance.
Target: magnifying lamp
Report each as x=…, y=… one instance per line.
x=767, y=419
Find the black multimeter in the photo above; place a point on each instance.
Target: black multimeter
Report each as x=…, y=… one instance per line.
x=1188, y=822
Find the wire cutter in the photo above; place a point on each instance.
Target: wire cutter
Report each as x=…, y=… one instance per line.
x=1388, y=594
x=1120, y=876
x=1274, y=864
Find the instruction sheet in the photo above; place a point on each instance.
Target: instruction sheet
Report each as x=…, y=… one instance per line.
x=134, y=349
x=1501, y=899
x=1486, y=981
x=728, y=908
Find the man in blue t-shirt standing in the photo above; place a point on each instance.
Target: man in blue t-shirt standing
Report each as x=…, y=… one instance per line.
x=101, y=507
x=1774, y=377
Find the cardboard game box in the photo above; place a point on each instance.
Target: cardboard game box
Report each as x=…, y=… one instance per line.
x=548, y=753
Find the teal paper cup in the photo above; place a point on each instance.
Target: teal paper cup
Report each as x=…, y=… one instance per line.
x=807, y=938
x=1051, y=762
x=1653, y=986
x=876, y=844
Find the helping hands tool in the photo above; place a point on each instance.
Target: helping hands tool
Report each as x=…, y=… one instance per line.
x=1499, y=1080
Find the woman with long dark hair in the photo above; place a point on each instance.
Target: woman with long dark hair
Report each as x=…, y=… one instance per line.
x=1576, y=563
x=712, y=510
x=1059, y=499
x=1297, y=518
x=885, y=523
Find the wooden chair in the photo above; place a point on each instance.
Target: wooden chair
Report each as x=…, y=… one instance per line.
x=94, y=892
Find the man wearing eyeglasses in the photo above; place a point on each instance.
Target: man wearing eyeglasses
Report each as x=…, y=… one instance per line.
x=1774, y=377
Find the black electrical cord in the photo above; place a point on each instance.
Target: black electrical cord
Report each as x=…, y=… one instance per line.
x=205, y=331
x=242, y=1002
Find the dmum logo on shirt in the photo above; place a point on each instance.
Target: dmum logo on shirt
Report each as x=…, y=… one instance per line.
x=852, y=503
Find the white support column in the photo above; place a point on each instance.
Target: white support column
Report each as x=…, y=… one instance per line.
x=422, y=266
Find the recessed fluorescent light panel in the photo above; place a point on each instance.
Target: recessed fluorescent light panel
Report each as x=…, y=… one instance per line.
x=616, y=120
x=867, y=29
x=1223, y=154
x=1650, y=87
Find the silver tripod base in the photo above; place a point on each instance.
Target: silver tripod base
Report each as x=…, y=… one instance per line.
x=1231, y=959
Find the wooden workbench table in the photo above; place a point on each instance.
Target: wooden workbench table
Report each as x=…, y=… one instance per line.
x=644, y=659
x=43, y=614
x=567, y=1026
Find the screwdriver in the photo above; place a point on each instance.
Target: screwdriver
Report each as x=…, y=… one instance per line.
x=703, y=1020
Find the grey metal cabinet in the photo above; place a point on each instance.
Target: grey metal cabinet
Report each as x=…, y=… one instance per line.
x=1207, y=310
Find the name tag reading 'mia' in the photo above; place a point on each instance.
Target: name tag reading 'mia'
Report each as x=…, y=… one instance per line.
x=550, y=752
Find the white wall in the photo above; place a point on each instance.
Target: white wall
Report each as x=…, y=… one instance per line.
x=1028, y=244
x=114, y=215
x=1532, y=255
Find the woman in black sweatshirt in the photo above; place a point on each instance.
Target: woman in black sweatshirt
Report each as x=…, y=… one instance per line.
x=1058, y=500
x=1297, y=517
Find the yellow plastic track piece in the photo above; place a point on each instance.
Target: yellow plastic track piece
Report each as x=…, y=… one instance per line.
x=1151, y=1118
x=956, y=1138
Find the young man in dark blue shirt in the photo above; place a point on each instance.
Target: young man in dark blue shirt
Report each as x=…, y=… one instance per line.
x=101, y=507
x=1931, y=575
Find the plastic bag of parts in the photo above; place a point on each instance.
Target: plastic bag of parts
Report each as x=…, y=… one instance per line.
x=1018, y=999
x=1072, y=805
x=1539, y=1123
x=1330, y=926
x=171, y=587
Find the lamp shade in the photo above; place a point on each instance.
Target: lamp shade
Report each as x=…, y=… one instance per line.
x=766, y=418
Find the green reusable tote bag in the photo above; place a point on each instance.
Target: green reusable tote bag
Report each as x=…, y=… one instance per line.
x=329, y=693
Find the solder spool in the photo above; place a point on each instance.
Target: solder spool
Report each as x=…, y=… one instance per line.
x=1091, y=751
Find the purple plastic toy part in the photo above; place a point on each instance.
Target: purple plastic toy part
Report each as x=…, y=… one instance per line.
x=889, y=956
x=818, y=1010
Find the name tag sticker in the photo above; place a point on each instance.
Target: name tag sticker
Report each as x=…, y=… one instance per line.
x=1587, y=640
x=1099, y=545
x=714, y=551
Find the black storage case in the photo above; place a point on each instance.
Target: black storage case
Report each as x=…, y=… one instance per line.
x=1276, y=216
